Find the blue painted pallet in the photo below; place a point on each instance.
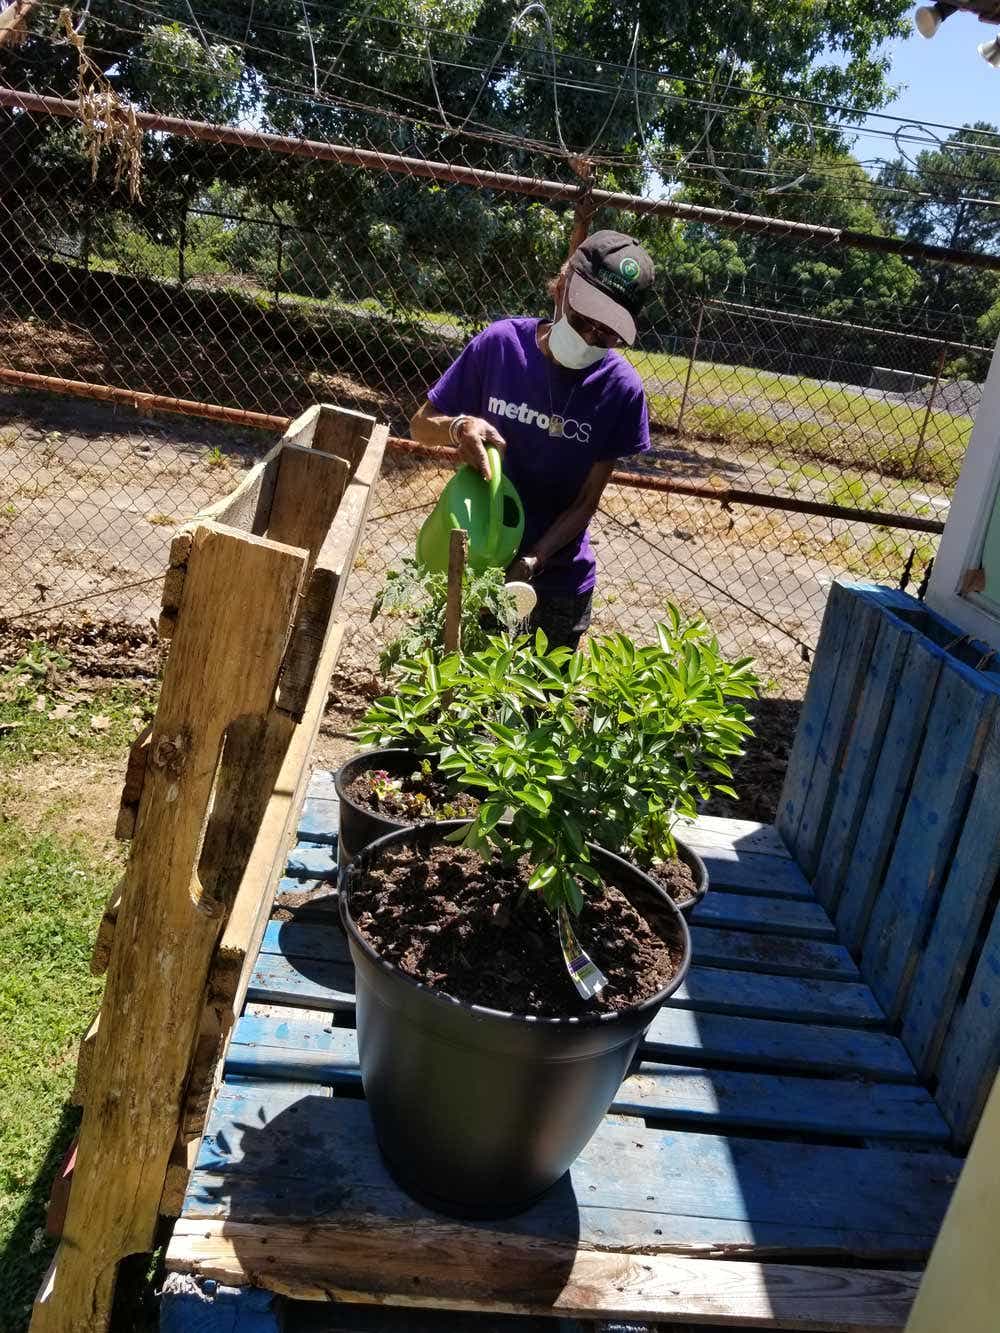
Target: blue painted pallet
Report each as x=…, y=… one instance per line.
x=273, y=1155
x=318, y=983
x=775, y=954
x=935, y=807
x=308, y=1049
x=772, y=916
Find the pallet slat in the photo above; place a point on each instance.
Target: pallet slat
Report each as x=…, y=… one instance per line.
x=754, y=872
x=318, y=983
x=964, y=901
x=956, y=730
x=772, y=916
x=860, y=760
x=971, y=1051
x=812, y=720
x=271, y=1154
x=721, y=1099
x=836, y=734
x=776, y=954
x=889, y=788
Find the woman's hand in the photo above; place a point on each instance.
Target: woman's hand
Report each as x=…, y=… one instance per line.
x=473, y=435
x=524, y=569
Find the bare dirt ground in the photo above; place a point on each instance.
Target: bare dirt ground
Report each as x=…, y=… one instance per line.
x=91, y=497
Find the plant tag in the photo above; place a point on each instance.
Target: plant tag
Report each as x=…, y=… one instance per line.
x=584, y=973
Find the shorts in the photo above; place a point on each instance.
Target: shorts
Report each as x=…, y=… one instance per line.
x=564, y=620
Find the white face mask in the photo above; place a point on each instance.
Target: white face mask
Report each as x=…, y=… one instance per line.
x=570, y=350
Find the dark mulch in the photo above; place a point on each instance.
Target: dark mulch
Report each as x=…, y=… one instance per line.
x=759, y=774
x=464, y=926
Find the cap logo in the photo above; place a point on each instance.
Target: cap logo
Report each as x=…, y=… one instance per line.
x=629, y=268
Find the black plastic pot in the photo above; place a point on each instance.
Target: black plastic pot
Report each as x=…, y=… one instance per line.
x=698, y=868
x=358, y=825
x=479, y=1111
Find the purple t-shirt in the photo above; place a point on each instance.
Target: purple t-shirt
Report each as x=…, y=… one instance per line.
x=503, y=376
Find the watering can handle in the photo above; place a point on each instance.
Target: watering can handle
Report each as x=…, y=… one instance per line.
x=496, y=500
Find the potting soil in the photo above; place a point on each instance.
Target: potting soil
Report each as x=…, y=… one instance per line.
x=676, y=880
x=445, y=917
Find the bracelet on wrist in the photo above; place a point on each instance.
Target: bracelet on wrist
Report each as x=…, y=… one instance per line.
x=454, y=426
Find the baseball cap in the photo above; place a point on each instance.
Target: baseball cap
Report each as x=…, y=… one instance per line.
x=610, y=276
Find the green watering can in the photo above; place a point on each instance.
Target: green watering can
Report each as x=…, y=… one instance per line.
x=490, y=511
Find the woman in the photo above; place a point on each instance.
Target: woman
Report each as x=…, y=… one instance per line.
x=562, y=407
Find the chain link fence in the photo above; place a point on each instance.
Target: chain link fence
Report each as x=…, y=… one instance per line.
x=789, y=446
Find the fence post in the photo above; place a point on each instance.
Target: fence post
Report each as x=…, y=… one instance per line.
x=277, y=265
x=691, y=361
x=182, y=247
x=945, y=348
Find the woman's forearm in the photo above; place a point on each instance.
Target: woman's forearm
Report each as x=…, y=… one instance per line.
x=568, y=526
x=428, y=426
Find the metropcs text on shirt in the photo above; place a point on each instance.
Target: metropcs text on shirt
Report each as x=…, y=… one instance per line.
x=599, y=414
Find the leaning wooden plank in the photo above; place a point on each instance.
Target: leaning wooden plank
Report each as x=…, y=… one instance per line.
x=307, y=495
x=248, y=507
x=798, y=776
x=257, y=823
x=860, y=760
x=238, y=600
x=84, y=1061
x=135, y=773
x=768, y=916
x=301, y=430
x=889, y=789
x=971, y=1051
x=104, y=938
x=438, y=1266
x=325, y=590
x=274, y=1153
x=965, y=899
x=173, y=583
x=343, y=431
x=835, y=736
x=957, y=727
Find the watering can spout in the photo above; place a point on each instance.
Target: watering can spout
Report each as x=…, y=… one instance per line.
x=491, y=513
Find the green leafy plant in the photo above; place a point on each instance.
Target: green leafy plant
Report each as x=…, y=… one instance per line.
x=419, y=596
x=610, y=745
x=414, y=796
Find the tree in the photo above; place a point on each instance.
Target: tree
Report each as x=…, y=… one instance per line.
x=950, y=195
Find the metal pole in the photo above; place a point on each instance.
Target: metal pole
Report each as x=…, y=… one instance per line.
x=946, y=347
x=277, y=265
x=751, y=223
x=691, y=361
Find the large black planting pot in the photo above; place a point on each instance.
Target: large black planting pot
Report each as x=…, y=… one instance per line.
x=698, y=869
x=479, y=1111
x=360, y=826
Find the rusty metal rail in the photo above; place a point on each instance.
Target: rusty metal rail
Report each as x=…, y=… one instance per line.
x=723, y=495
x=554, y=191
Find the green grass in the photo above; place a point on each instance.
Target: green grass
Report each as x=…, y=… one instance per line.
x=52, y=892
x=846, y=424
x=53, y=887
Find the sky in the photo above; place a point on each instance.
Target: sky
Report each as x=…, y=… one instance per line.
x=946, y=80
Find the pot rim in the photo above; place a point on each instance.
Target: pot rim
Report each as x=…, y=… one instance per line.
x=651, y=1003
x=344, y=795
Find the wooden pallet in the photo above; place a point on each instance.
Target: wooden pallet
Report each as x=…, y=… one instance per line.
x=772, y=1125
x=211, y=801
x=892, y=804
